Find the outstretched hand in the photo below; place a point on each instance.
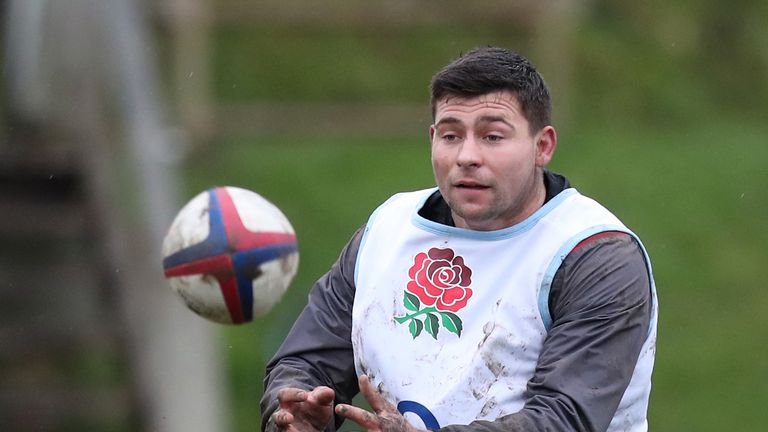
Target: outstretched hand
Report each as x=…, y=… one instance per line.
x=385, y=416
x=302, y=410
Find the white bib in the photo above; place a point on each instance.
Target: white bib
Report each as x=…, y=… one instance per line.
x=448, y=323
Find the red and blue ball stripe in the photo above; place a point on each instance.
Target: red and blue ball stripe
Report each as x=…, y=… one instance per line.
x=231, y=253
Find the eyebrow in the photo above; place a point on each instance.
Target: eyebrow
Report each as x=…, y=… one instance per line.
x=494, y=119
x=448, y=120
x=483, y=119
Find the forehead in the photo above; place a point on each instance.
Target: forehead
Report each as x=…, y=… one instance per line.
x=501, y=103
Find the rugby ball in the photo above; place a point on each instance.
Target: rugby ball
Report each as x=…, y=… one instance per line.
x=230, y=255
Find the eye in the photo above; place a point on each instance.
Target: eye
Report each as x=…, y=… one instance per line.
x=493, y=138
x=450, y=137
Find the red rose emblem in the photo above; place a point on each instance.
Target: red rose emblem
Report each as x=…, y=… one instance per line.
x=439, y=278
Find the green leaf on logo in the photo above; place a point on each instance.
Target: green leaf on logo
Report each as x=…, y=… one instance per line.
x=415, y=327
x=411, y=302
x=432, y=324
x=452, y=322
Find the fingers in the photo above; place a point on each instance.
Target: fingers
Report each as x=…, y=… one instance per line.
x=385, y=416
x=301, y=407
x=367, y=420
x=320, y=395
x=303, y=410
x=288, y=395
x=323, y=396
x=378, y=403
x=282, y=418
x=362, y=417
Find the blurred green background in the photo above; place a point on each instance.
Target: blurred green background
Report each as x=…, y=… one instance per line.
x=665, y=125
x=660, y=109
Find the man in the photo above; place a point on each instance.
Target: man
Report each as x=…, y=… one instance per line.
x=501, y=300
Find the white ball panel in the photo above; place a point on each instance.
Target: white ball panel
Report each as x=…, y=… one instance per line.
x=276, y=276
x=202, y=294
x=257, y=213
x=189, y=227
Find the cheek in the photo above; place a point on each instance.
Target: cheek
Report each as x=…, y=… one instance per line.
x=514, y=173
x=439, y=165
x=516, y=162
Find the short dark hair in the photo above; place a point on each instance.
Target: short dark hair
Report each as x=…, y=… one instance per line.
x=489, y=69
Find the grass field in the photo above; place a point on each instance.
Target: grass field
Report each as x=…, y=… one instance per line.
x=696, y=196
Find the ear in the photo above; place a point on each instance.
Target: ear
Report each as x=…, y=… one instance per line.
x=431, y=133
x=545, y=146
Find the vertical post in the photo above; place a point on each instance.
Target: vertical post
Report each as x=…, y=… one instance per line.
x=190, y=22
x=554, y=25
x=179, y=368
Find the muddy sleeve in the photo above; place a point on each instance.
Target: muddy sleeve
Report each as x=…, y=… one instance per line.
x=318, y=350
x=600, y=303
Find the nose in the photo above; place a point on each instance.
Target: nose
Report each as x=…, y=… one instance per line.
x=470, y=154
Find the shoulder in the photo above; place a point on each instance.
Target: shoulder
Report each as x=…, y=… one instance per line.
x=606, y=270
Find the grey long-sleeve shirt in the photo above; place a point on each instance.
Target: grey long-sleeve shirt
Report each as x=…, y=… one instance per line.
x=600, y=303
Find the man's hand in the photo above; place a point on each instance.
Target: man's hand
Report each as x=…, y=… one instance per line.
x=384, y=418
x=302, y=410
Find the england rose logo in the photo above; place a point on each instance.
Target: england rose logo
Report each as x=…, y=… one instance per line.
x=440, y=282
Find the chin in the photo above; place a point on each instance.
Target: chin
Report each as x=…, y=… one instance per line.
x=471, y=218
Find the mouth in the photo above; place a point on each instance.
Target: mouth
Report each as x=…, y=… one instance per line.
x=469, y=185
